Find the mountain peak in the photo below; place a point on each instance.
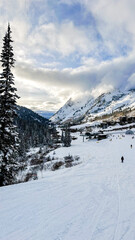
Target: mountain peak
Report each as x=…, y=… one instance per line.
x=87, y=108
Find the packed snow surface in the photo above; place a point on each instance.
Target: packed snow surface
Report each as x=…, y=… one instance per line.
x=94, y=200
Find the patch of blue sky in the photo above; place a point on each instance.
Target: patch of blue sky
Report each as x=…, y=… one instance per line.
x=120, y=51
x=75, y=13
x=41, y=13
x=56, y=61
x=124, y=50
x=72, y=61
x=53, y=11
x=45, y=58
x=102, y=52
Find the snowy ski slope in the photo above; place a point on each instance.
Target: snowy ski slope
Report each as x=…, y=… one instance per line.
x=94, y=200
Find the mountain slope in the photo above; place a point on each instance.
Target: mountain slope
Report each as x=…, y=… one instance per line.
x=32, y=128
x=73, y=109
x=28, y=115
x=88, y=109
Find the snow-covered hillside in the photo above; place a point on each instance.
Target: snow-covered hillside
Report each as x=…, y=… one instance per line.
x=73, y=109
x=94, y=200
x=89, y=108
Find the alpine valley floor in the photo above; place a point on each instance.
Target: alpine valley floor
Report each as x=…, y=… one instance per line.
x=94, y=200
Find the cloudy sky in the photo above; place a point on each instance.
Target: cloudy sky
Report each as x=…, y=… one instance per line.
x=68, y=48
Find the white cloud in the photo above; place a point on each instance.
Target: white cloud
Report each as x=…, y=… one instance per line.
x=64, y=38
x=114, y=21
x=40, y=82
x=62, y=84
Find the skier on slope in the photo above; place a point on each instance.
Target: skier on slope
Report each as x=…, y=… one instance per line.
x=131, y=145
x=122, y=159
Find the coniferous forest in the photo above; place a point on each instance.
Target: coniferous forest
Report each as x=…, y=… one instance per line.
x=20, y=128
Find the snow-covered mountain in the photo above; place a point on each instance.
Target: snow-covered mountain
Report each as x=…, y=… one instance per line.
x=90, y=108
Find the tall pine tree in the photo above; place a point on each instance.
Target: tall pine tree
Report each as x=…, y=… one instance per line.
x=8, y=97
x=66, y=137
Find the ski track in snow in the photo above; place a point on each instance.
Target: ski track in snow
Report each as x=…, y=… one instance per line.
x=118, y=194
x=94, y=200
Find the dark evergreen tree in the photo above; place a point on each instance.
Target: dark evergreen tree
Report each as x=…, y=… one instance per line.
x=62, y=137
x=8, y=97
x=66, y=137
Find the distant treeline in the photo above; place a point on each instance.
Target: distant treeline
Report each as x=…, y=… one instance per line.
x=33, y=130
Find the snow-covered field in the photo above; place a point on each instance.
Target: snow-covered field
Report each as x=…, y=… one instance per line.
x=94, y=200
